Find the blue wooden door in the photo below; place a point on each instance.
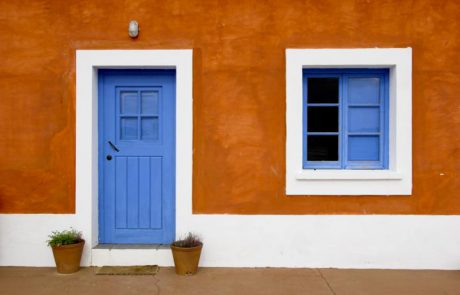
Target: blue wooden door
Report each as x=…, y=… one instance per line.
x=137, y=156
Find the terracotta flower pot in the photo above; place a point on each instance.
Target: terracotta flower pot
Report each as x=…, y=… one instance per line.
x=186, y=259
x=67, y=257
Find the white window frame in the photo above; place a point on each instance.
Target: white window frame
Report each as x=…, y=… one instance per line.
x=397, y=180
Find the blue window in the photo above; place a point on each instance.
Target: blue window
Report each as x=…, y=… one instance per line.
x=345, y=119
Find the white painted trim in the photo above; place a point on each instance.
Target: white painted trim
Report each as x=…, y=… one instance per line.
x=397, y=180
x=348, y=174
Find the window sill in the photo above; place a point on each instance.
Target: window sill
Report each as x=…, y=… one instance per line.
x=348, y=175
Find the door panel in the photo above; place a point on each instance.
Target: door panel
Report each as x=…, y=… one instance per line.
x=137, y=156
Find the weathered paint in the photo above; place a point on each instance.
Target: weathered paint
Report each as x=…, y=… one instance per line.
x=239, y=94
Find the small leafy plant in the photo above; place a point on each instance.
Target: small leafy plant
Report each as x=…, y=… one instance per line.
x=65, y=237
x=189, y=241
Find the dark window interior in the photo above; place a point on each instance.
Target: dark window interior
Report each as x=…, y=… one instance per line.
x=323, y=148
x=323, y=119
x=323, y=90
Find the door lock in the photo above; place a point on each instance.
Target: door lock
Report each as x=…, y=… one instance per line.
x=109, y=157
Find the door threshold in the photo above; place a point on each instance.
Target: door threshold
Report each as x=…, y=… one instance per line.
x=132, y=246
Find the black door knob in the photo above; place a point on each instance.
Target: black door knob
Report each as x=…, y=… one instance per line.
x=109, y=157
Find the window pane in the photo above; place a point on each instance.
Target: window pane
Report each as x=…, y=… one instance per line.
x=150, y=128
x=323, y=148
x=363, y=148
x=128, y=128
x=149, y=102
x=323, y=90
x=364, y=119
x=363, y=90
x=128, y=102
x=323, y=119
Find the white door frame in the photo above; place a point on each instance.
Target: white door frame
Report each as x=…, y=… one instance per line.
x=87, y=64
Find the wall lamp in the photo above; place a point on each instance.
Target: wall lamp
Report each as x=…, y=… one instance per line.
x=133, y=29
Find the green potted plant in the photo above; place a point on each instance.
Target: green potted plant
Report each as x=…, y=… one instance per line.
x=186, y=253
x=67, y=248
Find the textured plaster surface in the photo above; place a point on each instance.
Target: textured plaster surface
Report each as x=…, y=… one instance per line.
x=239, y=94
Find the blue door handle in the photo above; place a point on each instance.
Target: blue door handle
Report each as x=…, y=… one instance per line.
x=114, y=147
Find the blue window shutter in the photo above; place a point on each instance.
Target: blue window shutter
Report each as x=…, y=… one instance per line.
x=363, y=119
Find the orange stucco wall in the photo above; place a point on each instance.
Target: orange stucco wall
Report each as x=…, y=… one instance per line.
x=239, y=94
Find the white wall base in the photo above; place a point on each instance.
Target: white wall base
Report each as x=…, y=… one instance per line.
x=338, y=241
x=23, y=238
